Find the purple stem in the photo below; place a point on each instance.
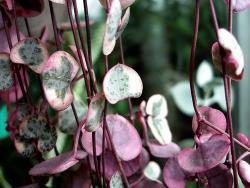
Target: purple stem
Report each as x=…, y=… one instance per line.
x=129, y=99
x=227, y=91
x=192, y=59
x=14, y=67
x=86, y=56
x=78, y=50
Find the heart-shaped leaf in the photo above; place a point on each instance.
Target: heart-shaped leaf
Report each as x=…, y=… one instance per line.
x=58, y=1
x=124, y=3
x=122, y=82
x=239, y=5
x=23, y=147
x=36, y=127
x=112, y=24
x=152, y=171
x=44, y=34
x=206, y=156
x=29, y=8
x=126, y=140
x=88, y=144
x=6, y=79
x=212, y=115
x=173, y=174
x=219, y=177
x=123, y=23
x=160, y=129
x=163, y=151
x=157, y=106
x=30, y=52
x=244, y=172
x=94, y=116
x=116, y=181
x=67, y=122
x=58, y=72
x=243, y=138
x=234, y=59
x=57, y=164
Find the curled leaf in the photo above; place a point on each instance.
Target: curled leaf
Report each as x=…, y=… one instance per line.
x=57, y=164
x=30, y=52
x=112, y=25
x=94, y=116
x=123, y=23
x=212, y=115
x=233, y=58
x=58, y=72
x=206, y=156
x=121, y=82
x=157, y=106
x=244, y=172
x=160, y=129
x=6, y=79
x=152, y=171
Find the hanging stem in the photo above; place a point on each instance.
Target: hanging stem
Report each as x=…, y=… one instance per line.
x=129, y=99
x=227, y=90
x=86, y=56
x=192, y=59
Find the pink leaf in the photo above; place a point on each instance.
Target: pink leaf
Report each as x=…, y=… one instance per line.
x=243, y=138
x=173, y=174
x=212, y=115
x=88, y=144
x=30, y=52
x=74, y=50
x=123, y=23
x=58, y=72
x=126, y=140
x=239, y=5
x=163, y=151
x=244, y=172
x=233, y=57
x=206, y=156
x=219, y=177
x=57, y=164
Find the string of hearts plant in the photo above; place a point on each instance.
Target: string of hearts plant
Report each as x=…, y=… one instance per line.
x=107, y=150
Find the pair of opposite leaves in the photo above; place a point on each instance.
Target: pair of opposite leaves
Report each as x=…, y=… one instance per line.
x=205, y=160
x=58, y=71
